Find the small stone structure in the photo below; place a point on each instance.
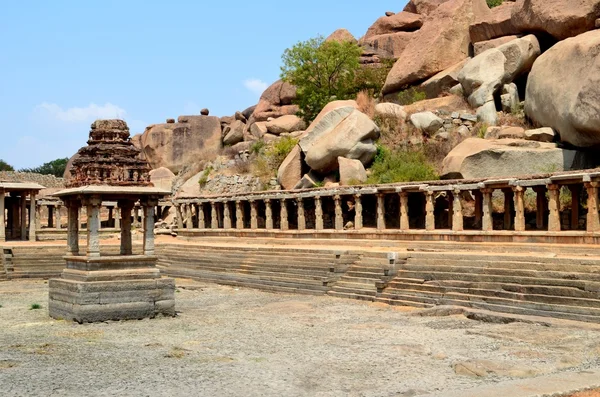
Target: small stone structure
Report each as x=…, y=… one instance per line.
x=15, y=223
x=99, y=288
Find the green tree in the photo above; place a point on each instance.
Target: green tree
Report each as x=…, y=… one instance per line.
x=322, y=71
x=56, y=167
x=4, y=166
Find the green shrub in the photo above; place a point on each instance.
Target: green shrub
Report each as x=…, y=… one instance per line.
x=269, y=157
x=400, y=166
x=410, y=96
x=204, y=177
x=372, y=78
x=257, y=147
x=494, y=3
x=4, y=166
x=35, y=306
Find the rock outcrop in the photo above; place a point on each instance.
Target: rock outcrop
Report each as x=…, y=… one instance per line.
x=563, y=90
x=191, y=139
x=443, y=81
x=497, y=24
x=285, y=124
x=442, y=41
x=352, y=172
x=275, y=102
x=481, y=158
x=341, y=36
x=423, y=7
x=388, y=109
x=290, y=171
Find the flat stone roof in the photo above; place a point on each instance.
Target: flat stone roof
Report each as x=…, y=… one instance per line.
x=104, y=190
x=20, y=186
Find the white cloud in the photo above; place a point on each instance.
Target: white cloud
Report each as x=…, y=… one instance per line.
x=257, y=86
x=89, y=113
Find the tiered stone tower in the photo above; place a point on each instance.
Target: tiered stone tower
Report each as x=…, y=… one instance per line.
x=127, y=286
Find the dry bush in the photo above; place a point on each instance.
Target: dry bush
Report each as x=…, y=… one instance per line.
x=516, y=118
x=366, y=103
x=229, y=152
x=242, y=167
x=436, y=151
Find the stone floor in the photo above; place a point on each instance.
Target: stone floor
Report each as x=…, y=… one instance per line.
x=229, y=341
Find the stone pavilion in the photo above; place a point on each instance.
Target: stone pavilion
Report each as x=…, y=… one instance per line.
x=95, y=287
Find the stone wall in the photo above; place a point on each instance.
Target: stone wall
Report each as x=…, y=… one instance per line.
x=49, y=181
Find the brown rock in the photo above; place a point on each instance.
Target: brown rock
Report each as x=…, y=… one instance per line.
x=240, y=116
x=328, y=108
x=505, y=132
x=204, y=112
x=226, y=120
x=482, y=46
x=401, y=22
x=497, y=24
x=443, y=81
x=389, y=13
x=170, y=121
x=173, y=146
x=162, y=178
x=341, y=35
x=442, y=42
x=279, y=93
x=559, y=18
x=290, y=171
x=387, y=46
x=285, y=124
x=351, y=171
x=235, y=133
x=258, y=129
x=423, y=7
x=450, y=103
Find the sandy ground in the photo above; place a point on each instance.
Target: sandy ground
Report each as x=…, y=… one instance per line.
x=230, y=342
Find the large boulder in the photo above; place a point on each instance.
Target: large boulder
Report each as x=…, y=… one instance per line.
x=392, y=110
x=426, y=122
x=289, y=123
x=352, y=172
x=341, y=36
x=497, y=24
x=290, y=171
x=275, y=101
x=483, y=46
x=389, y=45
x=442, y=42
x=563, y=90
x=343, y=132
x=235, y=134
x=423, y=7
x=559, y=18
x=190, y=140
x=401, y=22
x=443, y=81
x=480, y=158
x=484, y=75
x=329, y=107
x=162, y=178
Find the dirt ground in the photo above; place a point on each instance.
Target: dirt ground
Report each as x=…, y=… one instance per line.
x=228, y=341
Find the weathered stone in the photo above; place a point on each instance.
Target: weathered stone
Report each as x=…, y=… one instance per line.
x=480, y=158
x=482, y=46
x=563, y=90
x=258, y=129
x=389, y=13
x=559, y=18
x=423, y=7
x=509, y=98
x=162, y=178
x=426, y=122
x=388, y=109
x=443, y=81
x=487, y=113
x=388, y=45
x=284, y=124
x=540, y=135
x=290, y=171
x=401, y=22
x=448, y=104
x=497, y=24
x=240, y=116
x=485, y=74
x=341, y=36
x=275, y=102
x=235, y=134
x=170, y=121
x=440, y=43
x=352, y=172
x=204, y=112
x=505, y=132
x=328, y=108
x=308, y=181
x=248, y=112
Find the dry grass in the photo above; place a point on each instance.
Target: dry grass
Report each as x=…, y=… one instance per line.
x=514, y=119
x=366, y=103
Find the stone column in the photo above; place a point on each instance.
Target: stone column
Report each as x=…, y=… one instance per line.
x=58, y=218
x=487, y=220
x=509, y=205
x=109, y=221
x=23, y=216
x=593, y=220
x=253, y=215
x=268, y=215
x=93, y=205
x=2, y=216
x=226, y=216
x=239, y=215
x=358, y=217
x=148, y=207
x=38, y=217
x=178, y=212
x=50, y=216
x=201, y=220
x=575, y=199
x=125, y=207
x=541, y=205
x=429, y=211
x=339, y=217
x=519, y=208
x=32, y=217
x=117, y=217
x=214, y=217
x=380, y=212
x=457, y=215
x=450, y=210
x=318, y=214
x=136, y=217
x=284, y=225
x=189, y=220
x=301, y=216
x=478, y=207
x=554, y=207
x=72, y=227
x=404, y=222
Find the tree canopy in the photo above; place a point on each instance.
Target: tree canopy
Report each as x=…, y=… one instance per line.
x=56, y=167
x=4, y=166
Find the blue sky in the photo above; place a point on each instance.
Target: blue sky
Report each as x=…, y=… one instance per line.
x=64, y=63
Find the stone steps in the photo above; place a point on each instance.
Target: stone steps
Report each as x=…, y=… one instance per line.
x=534, y=263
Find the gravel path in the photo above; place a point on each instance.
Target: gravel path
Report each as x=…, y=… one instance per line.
x=229, y=342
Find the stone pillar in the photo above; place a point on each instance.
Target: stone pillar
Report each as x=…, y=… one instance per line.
x=148, y=208
x=318, y=214
x=72, y=227
x=253, y=215
x=179, y=214
x=404, y=222
x=117, y=218
x=457, y=215
x=301, y=216
x=136, y=217
x=450, y=210
x=509, y=205
x=23, y=216
x=32, y=217
x=93, y=205
x=268, y=215
x=487, y=220
x=125, y=207
x=2, y=216
x=58, y=219
x=429, y=211
x=519, y=208
x=575, y=199
x=554, y=207
x=593, y=220
x=109, y=221
x=50, y=216
x=214, y=217
x=284, y=225
x=541, y=205
x=226, y=216
x=358, y=217
x=478, y=207
x=189, y=220
x=239, y=215
x=201, y=220
x=380, y=212
x=38, y=217
x=339, y=217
